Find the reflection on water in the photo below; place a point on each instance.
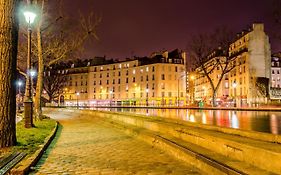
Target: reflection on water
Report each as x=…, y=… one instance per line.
x=262, y=121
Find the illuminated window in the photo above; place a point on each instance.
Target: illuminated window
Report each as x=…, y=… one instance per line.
x=147, y=69
x=226, y=85
x=163, y=85
x=134, y=71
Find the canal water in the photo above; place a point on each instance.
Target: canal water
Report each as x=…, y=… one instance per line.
x=262, y=121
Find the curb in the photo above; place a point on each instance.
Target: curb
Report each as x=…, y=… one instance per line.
x=24, y=166
x=270, y=109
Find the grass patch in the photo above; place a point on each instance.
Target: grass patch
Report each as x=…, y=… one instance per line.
x=29, y=140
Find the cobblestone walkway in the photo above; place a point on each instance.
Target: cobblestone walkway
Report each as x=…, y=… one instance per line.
x=87, y=145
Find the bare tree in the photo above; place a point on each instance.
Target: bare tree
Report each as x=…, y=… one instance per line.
x=59, y=43
x=55, y=39
x=201, y=48
x=8, y=57
x=53, y=83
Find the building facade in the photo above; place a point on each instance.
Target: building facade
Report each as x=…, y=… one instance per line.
x=158, y=80
x=276, y=72
x=275, y=89
x=251, y=55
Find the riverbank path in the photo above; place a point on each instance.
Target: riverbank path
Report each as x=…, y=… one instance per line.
x=89, y=145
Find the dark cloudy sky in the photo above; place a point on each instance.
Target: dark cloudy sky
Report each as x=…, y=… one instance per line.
x=139, y=27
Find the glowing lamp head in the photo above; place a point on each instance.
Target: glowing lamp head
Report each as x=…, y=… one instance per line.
x=29, y=16
x=192, y=77
x=77, y=93
x=32, y=73
x=19, y=83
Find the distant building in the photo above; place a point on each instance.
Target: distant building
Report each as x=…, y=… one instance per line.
x=276, y=72
x=154, y=81
x=275, y=89
x=251, y=54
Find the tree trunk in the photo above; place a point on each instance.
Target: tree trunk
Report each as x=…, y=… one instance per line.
x=8, y=62
x=214, y=98
x=39, y=85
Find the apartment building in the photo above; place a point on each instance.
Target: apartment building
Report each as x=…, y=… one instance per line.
x=251, y=56
x=276, y=72
x=147, y=81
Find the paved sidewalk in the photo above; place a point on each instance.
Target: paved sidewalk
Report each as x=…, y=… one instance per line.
x=88, y=145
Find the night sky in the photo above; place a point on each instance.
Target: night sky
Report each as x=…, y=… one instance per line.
x=140, y=27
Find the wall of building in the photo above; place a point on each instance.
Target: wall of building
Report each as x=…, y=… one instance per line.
x=128, y=83
x=251, y=55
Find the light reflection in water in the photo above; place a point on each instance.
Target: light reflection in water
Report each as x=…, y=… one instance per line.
x=234, y=121
x=269, y=122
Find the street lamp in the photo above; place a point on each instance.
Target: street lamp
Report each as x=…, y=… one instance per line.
x=32, y=73
x=178, y=100
x=77, y=95
x=191, y=86
x=234, y=85
x=147, y=90
x=19, y=83
x=28, y=102
x=110, y=98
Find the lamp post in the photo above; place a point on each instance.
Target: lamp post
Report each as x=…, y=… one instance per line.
x=77, y=95
x=32, y=75
x=19, y=83
x=192, y=88
x=147, y=90
x=178, y=100
x=110, y=98
x=234, y=85
x=28, y=102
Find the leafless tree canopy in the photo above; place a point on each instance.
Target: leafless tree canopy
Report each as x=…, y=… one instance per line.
x=214, y=46
x=54, y=83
